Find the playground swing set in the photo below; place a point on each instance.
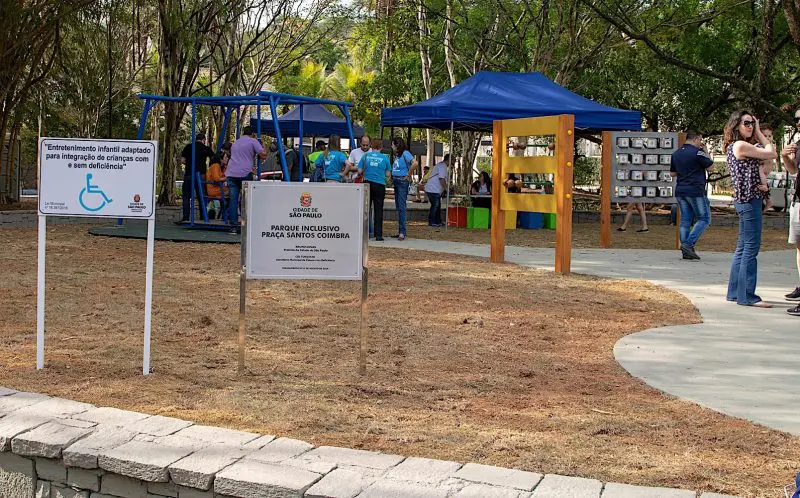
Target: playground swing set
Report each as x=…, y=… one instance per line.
x=229, y=104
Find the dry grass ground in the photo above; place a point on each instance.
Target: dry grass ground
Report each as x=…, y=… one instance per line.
x=468, y=360
x=587, y=235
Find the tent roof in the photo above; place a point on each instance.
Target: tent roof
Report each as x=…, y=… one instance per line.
x=487, y=96
x=317, y=121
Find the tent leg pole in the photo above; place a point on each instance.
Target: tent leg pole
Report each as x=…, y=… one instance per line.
x=449, y=172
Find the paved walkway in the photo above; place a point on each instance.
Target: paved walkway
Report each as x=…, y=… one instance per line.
x=740, y=361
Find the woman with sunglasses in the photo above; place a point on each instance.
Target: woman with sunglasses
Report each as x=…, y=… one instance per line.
x=746, y=147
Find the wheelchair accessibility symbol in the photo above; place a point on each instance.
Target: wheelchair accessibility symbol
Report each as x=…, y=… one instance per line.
x=94, y=195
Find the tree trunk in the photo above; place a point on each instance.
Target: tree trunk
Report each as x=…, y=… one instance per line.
x=425, y=58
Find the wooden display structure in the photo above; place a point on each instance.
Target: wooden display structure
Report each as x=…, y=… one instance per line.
x=605, y=192
x=560, y=164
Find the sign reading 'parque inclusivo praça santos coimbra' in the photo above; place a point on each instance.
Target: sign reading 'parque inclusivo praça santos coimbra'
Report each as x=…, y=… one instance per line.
x=304, y=231
x=101, y=178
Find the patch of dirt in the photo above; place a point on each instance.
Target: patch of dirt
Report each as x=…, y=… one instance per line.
x=468, y=360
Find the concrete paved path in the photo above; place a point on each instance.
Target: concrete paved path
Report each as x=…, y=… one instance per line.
x=741, y=361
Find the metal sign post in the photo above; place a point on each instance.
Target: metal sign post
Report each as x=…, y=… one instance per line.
x=307, y=232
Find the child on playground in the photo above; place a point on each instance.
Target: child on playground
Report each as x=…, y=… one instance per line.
x=215, y=176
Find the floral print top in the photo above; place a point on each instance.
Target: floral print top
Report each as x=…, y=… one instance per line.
x=745, y=178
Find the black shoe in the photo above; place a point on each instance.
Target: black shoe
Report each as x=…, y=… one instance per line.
x=181, y=222
x=378, y=239
x=396, y=236
x=794, y=311
x=212, y=215
x=794, y=295
x=688, y=253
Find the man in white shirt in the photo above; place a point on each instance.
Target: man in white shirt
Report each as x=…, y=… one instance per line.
x=357, y=154
x=434, y=188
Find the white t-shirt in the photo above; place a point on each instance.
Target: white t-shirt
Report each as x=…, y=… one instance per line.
x=356, y=155
x=434, y=186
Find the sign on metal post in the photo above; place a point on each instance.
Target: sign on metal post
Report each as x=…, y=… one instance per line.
x=308, y=231
x=96, y=178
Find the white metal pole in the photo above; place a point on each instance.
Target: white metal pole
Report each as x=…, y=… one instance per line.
x=40, y=293
x=148, y=294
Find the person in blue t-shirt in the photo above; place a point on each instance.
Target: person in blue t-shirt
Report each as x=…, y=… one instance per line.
x=689, y=165
x=402, y=168
x=376, y=169
x=333, y=161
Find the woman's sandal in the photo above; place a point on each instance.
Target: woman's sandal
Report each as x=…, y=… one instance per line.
x=643, y=230
x=620, y=229
x=761, y=304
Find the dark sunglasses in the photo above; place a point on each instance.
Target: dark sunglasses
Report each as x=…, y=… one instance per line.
x=797, y=119
x=749, y=124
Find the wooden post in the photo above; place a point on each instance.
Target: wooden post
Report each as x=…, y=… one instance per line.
x=565, y=152
x=498, y=247
x=605, y=191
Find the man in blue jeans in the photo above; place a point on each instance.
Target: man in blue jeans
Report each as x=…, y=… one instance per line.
x=689, y=165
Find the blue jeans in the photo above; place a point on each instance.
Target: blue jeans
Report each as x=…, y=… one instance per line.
x=744, y=268
x=235, y=186
x=401, y=201
x=435, y=214
x=695, y=218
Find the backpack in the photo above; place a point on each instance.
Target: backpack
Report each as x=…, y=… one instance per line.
x=318, y=175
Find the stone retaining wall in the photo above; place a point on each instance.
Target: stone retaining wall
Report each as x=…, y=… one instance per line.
x=56, y=448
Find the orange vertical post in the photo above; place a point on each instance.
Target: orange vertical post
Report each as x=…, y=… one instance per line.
x=605, y=191
x=565, y=156
x=498, y=240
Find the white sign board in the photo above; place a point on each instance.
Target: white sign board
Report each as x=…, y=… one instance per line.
x=102, y=178
x=305, y=230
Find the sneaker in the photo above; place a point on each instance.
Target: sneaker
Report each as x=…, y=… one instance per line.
x=402, y=236
x=794, y=311
x=794, y=295
x=688, y=253
x=378, y=239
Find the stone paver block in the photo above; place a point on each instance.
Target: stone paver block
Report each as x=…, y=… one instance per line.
x=17, y=477
x=64, y=492
x=51, y=470
x=259, y=443
x=84, y=479
x=163, y=489
x=112, y=417
x=397, y=489
x=253, y=479
x=340, y=484
x=281, y=449
x=84, y=452
x=123, y=486
x=357, y=458
x=20, y=400
x=158, y=425
x=217, y=435
x=476, y=490
x=56, y=407
x=13, y=425
x=198, y=469
x=73, y=422
x=42, y=489
x=194, y=493
x=615, y=490
x=6, y=392
x=556, y=486
x=317, y=466
x=498, y=476
x=423, y=470
x=47, y=440
x=141, y=460
x=177, y=441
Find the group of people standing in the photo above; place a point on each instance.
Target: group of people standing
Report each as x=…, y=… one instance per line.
x=224, y=173
x=750, y=153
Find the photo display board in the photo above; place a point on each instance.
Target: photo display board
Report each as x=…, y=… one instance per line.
x=640, y=165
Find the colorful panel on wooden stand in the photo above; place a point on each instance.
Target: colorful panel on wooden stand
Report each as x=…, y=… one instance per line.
x=531, y=221
x=478, y=218
x=511, y=220
x=457, y=217
x=550, y=221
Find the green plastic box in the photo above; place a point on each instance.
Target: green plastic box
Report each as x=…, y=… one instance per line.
x=478, y=218
x=550, y=220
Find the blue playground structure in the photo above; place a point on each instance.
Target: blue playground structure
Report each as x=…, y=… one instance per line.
x=234, y=103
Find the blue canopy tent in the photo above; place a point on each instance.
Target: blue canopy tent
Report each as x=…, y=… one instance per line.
x=230, y=103
x=315, y=120
x=488, y=96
